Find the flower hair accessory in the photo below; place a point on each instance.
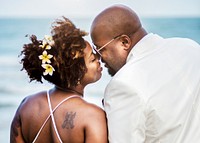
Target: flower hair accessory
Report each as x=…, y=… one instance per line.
x=47, y=43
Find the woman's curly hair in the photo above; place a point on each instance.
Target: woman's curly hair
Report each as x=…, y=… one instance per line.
x=68, y=56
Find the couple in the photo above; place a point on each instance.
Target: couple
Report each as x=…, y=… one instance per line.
x=153, y=96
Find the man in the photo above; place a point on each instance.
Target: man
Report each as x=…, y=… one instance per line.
x=154, y=94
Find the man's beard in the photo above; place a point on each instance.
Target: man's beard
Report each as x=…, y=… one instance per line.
x=111, y=71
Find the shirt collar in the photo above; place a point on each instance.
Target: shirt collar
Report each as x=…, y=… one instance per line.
x=145, y=44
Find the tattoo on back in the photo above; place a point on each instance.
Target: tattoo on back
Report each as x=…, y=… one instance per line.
x=68, y=122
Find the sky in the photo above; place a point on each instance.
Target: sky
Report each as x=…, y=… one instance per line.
x=90, y=8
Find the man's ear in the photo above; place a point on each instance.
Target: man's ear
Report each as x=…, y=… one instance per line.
x=126, y=41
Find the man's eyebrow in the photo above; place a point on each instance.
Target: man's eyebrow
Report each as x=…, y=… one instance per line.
x=97, y=47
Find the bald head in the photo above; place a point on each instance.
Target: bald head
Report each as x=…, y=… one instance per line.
x=115, y=20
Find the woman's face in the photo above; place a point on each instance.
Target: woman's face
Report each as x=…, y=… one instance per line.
x=93, y=65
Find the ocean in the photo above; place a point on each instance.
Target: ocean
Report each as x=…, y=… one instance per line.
x=14, y=83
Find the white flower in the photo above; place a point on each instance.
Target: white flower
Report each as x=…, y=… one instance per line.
x=45, y=57
x=48, y=69
x=49, y=40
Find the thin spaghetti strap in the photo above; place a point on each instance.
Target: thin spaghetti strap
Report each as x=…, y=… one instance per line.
x=41, y=129
x=52, y=113
x=52, y=118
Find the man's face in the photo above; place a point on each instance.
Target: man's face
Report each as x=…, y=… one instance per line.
x=110, y=51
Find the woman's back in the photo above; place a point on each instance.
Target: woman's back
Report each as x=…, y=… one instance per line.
x=75, y=119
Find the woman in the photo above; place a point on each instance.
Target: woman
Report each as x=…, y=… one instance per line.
x=60, y=114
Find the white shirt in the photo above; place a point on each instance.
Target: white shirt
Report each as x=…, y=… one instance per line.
x=155, y=96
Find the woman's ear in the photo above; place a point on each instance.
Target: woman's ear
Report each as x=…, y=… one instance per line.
x=126, y=41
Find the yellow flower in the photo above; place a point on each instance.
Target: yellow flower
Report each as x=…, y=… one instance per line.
x=48, y=69
x=45, y=57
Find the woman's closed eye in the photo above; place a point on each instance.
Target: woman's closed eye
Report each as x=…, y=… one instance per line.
x=93, y=59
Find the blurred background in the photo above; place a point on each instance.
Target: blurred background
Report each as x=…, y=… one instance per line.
x=177, y=18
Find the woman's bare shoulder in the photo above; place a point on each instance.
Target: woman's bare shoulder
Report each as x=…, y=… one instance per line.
x=32, y=100
x=92, y=109
x=95, y=123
